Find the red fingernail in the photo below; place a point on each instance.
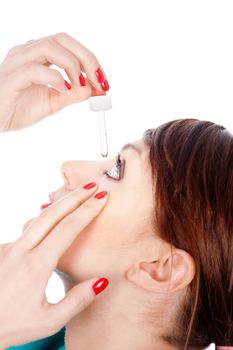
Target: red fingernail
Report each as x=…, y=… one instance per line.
x=100, y=285
x=101, y=194
x=100, y=75
x=82, y=80
x=45, y=206
x=89, y=185
x=68, y=85
x=105, y=85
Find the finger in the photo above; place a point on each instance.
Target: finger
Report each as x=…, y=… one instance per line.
x=67, y=230
x=30, y=42
x=14, y=50
x=27, y=224
x=17, y=48
x=40, y=227
x=33, y=73
x=76, y=300
x=44, y=51
x=89, y=62
x=77, y=95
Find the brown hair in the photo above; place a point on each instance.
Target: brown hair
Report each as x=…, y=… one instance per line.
x=192, y=167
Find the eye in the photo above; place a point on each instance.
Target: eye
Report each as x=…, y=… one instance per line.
x=116, y=173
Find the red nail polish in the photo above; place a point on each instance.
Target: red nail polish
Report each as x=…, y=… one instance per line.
x=68, y=85
x=100, y=285
x=105, y=85
x=100, y=75
x=44, y=206
x=89, y=185
x=82, y=80
x=101, y=194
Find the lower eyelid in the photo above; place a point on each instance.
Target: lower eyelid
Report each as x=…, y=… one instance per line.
x=119, y=162
x=106, y=173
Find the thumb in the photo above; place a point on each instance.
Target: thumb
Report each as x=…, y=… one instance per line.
x=77, y=299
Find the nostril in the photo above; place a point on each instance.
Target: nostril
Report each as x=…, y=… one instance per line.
x=70, y=174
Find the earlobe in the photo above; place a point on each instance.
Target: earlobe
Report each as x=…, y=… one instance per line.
x=171, y=272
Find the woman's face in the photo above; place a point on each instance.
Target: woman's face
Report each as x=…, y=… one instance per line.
x=122, y=233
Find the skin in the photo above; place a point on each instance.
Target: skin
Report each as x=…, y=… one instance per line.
x=121, y=244
x=27, y=264
x=25, y=99
x=26, y=72
x=102, y=238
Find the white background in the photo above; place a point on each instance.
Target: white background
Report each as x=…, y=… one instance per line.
x=164, y=60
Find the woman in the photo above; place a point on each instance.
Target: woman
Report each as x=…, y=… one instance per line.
x=164, y=240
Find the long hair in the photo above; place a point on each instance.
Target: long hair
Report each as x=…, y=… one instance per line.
x=192, y=168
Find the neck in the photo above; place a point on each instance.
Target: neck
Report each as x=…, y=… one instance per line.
x=113, y=321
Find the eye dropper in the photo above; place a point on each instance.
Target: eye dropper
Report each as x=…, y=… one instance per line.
x=101, y=104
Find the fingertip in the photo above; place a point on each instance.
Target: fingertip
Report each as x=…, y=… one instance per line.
x=96, y=92
x=100, y=285
x=67, y=85
x=82, y=80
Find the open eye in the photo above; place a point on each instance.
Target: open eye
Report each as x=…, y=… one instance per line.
x=116, y=172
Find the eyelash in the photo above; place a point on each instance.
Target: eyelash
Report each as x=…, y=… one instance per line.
x=120, y=164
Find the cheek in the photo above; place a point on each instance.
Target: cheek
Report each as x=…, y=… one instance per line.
x=112, y=234
x=127, y=200
x=106, y=234
x=116, y=223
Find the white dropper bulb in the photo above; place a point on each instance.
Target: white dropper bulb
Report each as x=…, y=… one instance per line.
x=101, y=104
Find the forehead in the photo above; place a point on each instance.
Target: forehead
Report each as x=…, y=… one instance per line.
x=139, y=146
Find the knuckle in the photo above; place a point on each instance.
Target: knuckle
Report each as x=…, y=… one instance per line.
x=14, y=49
x=48, y=43
x=61, y=35
x=30, y=42
x=90, y=56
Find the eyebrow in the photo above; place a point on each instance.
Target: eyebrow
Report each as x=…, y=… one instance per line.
x=132, y=146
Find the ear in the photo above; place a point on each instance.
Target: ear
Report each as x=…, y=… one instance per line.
x=171, y=272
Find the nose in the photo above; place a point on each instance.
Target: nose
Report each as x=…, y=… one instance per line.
x=70, y=174
x=76, y=173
